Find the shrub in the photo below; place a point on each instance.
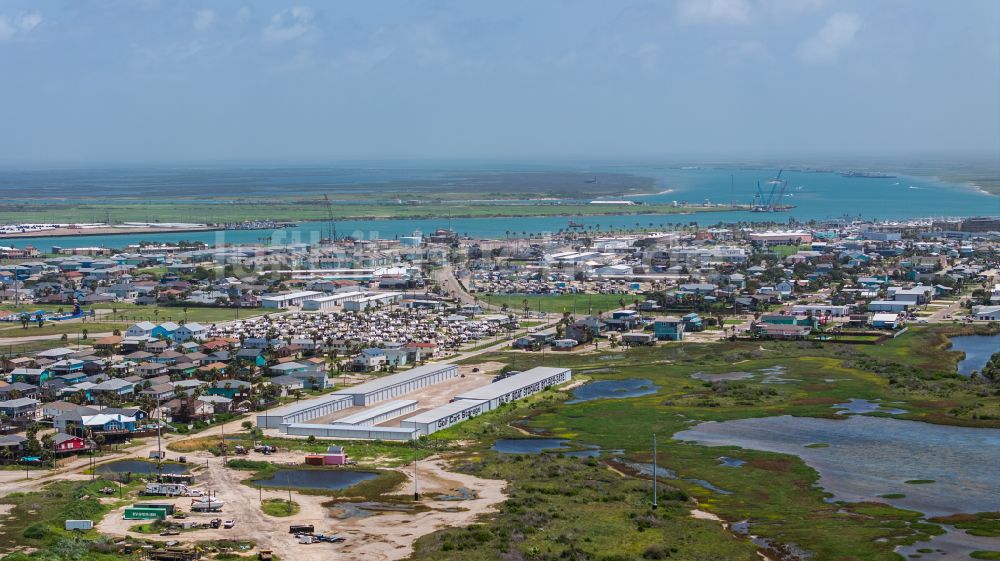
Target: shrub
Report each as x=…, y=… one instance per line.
x=37, y=531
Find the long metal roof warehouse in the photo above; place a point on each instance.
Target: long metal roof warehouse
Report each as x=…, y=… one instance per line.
x=402, y=383
x=352, y=431
x=301, y=411
x=442, y=417
x=518, y=386
x=379, y=413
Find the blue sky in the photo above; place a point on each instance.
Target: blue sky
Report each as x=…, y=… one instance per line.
x=142, y=81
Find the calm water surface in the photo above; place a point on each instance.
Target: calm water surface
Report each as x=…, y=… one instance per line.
x=872, y=456
x=977, y=348
x=613, y=389
x=316, y=479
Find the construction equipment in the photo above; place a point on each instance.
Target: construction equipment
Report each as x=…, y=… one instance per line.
x=772, y=201
x=329, y=216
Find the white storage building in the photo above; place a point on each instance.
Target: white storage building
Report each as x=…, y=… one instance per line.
x=337, y=430
x=518, y=386
x=330, y=302
x=373, y=301
x=402, y=383
x=380, y=413
x=279, y=301
x=442, y=417
x=301, y=411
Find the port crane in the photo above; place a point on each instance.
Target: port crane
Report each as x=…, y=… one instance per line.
x=329, y=216
x=770, y=202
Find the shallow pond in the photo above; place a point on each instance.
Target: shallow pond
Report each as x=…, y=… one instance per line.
x=647, y=470
x=529, y=445
x=613, y=389
x=871, y=456
x=722, y=377
x=953, y=545
x=343, y=511
x=549, y=445
x=856, y=406
x=139, y=466
x=977, y=348
x=315, y=479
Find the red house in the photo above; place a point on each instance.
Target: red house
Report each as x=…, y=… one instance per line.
x=67, y=444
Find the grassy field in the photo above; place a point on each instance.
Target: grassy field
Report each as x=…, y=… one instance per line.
x=558, y=303
x=280, y=507
x=775, y=492
x=313, y=209
x=37, y=520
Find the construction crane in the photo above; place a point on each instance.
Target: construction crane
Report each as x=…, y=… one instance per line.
x=771, y=202
x=329, y=216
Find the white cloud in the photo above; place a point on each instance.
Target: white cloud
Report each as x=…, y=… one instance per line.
x=836, y=35
x=288, y=25
x=22, y=24
x=713, y=11
x=29, y=21
x=204, y=19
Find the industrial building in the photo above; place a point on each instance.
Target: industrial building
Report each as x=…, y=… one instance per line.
x=380, y=413
x=442, y=417
x=330, y=302
x=280, y=301
x=292, y=419
x=301, y=411
x=518, y=386
x=395, y=385
x=337, y=430
x=373, y=301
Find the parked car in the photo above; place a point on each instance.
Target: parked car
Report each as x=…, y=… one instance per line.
x=229, y=523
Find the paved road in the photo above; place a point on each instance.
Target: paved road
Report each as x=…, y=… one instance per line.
x=445, y=276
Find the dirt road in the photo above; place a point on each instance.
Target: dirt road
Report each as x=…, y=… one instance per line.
x=385, y=536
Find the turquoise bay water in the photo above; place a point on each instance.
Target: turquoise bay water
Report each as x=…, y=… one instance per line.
x=816, y=195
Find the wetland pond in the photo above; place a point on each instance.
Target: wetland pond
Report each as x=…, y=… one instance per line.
x=548, y=445
x=861, y=458
x=613, y=389
x=328, y=480
x=977, y=348
x=139, y=466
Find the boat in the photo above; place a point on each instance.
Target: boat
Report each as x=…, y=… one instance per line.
x=206, y=505
x=866, y=174
x=573, y=224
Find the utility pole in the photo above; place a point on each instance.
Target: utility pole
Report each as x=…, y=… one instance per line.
x=159, y=449
x=416, y=491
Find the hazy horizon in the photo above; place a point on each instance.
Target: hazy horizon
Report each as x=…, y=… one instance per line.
x=109, y=82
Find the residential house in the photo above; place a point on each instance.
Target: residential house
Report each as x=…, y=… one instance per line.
x=190, y=331
x=669, y=328
x=63, y=443
x=22, y=408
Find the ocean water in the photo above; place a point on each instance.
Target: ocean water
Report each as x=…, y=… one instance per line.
x=816, y=195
